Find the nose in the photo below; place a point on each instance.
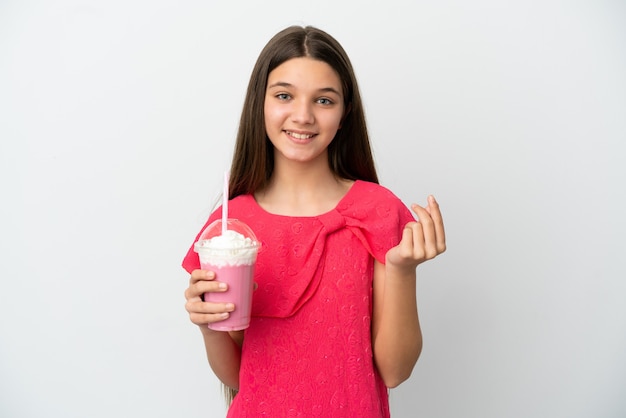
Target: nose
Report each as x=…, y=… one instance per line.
x=302, y=112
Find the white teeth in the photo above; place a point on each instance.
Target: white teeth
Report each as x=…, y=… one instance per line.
x=300, y=136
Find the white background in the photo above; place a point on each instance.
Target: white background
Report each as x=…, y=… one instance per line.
x=117, y=120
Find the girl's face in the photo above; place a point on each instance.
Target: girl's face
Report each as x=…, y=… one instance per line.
x=303, y=109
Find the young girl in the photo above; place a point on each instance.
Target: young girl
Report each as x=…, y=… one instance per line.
x=334, y=316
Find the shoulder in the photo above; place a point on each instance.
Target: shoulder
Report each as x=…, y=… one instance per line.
x=367, y=186
x=244, y=203
x=373, y=192
x=366, y=199
x=375, y=214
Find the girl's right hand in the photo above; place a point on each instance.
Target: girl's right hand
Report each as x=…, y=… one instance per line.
x=200, y=312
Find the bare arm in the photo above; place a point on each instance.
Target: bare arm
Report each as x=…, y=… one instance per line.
x=396, y=332
x=224, y=355
x=223, y=349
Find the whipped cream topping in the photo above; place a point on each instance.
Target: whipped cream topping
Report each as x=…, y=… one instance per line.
x=228, y=249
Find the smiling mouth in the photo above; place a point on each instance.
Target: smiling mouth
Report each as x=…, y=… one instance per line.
x=299, y=136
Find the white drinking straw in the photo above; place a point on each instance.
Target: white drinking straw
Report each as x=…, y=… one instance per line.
x=225, y=202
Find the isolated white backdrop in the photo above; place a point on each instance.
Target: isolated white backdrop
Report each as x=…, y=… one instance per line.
x=117, y=119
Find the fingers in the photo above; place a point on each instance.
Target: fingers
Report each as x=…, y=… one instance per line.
x=200, y=312
x=203, y=313
x=409, y=248
x=201, y=282
x=430, y=239
x=198, y=275
x=426, y=240
x=435, y=214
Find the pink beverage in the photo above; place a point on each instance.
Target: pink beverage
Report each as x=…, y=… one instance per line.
x=231, y=254
x=240, y=287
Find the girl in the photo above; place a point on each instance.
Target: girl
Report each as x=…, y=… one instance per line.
x=334, y=317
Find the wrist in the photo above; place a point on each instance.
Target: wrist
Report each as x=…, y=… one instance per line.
x=208, y=332
x=403, y=272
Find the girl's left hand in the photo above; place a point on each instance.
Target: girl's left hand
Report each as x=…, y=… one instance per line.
x=422, y=240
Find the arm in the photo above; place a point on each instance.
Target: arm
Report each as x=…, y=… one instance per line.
x=223, y=349
x=224, y=355
x=396, y=332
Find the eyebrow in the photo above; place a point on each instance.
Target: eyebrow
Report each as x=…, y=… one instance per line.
x=323, y=89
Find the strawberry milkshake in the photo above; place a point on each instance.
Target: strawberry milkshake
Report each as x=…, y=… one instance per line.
x=231, y=255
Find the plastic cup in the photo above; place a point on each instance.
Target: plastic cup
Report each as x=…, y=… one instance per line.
x=231, y=254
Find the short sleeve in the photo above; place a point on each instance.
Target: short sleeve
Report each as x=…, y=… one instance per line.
x=191, y=261
x=377, y=217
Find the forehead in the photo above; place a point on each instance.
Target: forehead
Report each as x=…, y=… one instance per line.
x=305, y=73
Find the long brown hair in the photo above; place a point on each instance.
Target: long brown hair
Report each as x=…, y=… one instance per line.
x=349, y=154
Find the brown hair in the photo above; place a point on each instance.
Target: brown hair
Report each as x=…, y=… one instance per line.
x=349, y=154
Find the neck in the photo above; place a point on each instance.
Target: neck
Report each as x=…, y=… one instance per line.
x=298, y=176
x=302, y=190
